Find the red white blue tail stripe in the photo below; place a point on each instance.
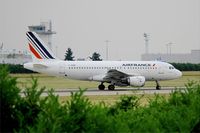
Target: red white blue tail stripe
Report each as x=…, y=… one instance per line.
x=37, y=48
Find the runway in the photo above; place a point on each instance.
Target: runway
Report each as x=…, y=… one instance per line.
x=117, y=91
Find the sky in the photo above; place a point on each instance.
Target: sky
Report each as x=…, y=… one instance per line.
x=84, y=25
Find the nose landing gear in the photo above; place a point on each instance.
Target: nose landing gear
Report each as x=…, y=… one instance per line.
x=158, y=87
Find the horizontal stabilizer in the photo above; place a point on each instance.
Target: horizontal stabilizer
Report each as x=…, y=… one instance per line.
x=40, y=66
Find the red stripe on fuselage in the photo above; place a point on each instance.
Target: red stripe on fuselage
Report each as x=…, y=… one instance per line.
x=34, y=52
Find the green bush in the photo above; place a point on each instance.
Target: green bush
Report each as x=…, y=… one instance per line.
x=9, y=100
x=186, y=66
x=31, y=112
x=17, y=112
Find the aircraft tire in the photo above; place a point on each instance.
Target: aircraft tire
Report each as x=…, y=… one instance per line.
x=101, y=87
x=158, y=87
x=111, y=87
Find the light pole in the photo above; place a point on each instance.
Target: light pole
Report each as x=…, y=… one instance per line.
x=169, y=45
x=107, y=41
x=56, y=51
x=146, y=38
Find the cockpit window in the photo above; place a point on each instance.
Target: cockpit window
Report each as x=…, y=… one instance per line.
x=171, y=67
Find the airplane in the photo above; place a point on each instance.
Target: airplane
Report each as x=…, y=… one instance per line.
x=116, y=73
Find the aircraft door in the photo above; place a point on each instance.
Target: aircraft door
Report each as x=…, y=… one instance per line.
x=62, y=70
x=160, y=70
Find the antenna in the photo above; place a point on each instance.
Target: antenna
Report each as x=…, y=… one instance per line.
x=50, y=25
x=1, y=48
x=146, y=38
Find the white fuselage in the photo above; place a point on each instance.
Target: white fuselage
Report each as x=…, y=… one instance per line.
x=96, y=70
x=120, y=73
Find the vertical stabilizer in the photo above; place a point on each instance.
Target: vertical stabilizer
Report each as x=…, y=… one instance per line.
x=38, y=48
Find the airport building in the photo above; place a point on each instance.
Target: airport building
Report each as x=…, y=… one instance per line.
x=44, y=30
x=193, y=57
x=14, y=57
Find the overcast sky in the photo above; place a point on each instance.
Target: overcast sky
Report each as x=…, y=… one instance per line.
x=84, y=25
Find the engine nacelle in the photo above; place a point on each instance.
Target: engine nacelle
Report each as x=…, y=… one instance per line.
x=136, y=81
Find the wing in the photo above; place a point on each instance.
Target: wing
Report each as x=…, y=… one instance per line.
x=115, y=75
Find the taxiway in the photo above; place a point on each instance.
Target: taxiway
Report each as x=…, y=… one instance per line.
x=117, y=91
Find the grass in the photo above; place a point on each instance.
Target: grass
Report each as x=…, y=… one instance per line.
x=54, y=82
x=112, y=99
x=60, y=83
x=57, y=83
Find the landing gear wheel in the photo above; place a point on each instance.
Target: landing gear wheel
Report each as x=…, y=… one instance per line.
x=101, y=87
x=158, y=87
x=111, y=87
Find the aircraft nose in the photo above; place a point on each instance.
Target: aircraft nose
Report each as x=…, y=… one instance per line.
x=179, y=73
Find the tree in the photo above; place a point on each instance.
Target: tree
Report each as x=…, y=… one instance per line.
x=95, y=57
x=69, y=55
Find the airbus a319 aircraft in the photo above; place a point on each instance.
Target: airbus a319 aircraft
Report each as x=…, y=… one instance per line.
x=116, y=73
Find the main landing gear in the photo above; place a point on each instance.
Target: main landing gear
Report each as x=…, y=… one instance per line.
x=102, y=87
x=158, y=87
x=111, y=87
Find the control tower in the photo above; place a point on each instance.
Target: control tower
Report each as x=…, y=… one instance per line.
x=44, y=30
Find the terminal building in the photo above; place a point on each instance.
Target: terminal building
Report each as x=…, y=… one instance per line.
x=44, y=30
x=193, y=57
x=14, y=57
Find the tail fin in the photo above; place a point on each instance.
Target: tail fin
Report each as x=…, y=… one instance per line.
x=38, y=48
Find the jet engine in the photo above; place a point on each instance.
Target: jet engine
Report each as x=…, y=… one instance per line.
x=136, y=81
